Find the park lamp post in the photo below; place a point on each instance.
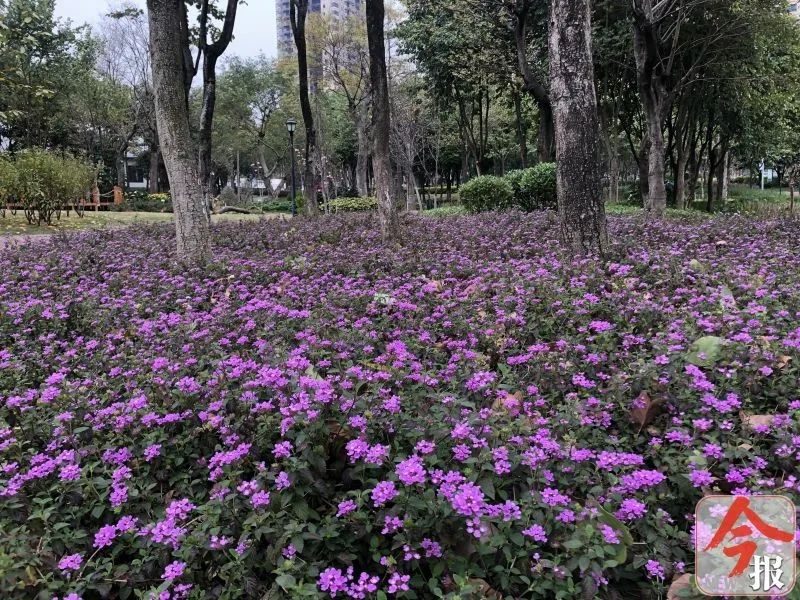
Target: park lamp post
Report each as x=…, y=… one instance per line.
x=291, y=126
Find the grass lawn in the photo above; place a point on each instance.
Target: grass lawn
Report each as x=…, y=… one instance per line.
x=17, y=225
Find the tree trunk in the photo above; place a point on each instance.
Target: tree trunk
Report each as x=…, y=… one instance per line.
x=547, y=134
x=521, y=133
x=206, y=120
x=577, y=129
x=613, y=177
x=722, y=175
x=122, y=168
x=172, y=118
x=656, y=202
x=643, y=165
x=297, y=15
x=531, y=84
x=362, y=156
x=653, y=95
x=155, y=164
x=381, y=164
x=211, y=53
x=680, y=180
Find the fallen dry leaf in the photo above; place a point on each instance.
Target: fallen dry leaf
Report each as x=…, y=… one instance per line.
x=645, y=409
x=684, y=582
x=750, y=421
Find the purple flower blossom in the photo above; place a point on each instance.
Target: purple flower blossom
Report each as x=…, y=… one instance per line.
x=384, y=492
x=71, y=562
x=173, y=570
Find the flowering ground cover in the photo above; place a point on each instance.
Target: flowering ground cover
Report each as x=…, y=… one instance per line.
x=313, y=415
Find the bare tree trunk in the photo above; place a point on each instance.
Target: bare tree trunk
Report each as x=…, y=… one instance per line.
x=577, y=130
x=155, y=163
x=381, y=126
x=656, y=201
x=613, y=177
x=521, y=133
x=531, y=85
x=654, y=97
x=721, y=193
x=211, y=53
x=680, y=180
x=362, y=156
x=172, y=118
x=297, y=15
x=122, y=168
x=643, y=164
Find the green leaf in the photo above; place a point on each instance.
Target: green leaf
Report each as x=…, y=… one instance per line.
x=705, y=352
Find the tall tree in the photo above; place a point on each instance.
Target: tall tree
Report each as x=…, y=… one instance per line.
x=211, y=52
x=523, y=13
x=342, y=46
x=577, y=132
x=172, y=118
x=381, y=125
x=298, y=14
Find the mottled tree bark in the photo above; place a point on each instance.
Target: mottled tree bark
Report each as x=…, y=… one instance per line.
x=381, y=163
x=298, y=11
x=172, y=118
x=652, y=82
x=577, y=130
x=155, y=163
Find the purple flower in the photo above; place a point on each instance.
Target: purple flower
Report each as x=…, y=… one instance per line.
x=332, y=581
x=655, y=570
x=384, y=492
x=259, y=499
x=152, y=451
x=536, y=532
x=71, y=562
x=411, y=471
x=631, y=509
x=345, y=507
x=70, y=473
x=609, y=534
x=105, y=536
x=173, y=570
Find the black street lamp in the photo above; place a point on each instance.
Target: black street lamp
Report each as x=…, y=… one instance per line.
x=291, y=125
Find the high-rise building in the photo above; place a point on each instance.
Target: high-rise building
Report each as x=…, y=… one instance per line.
x=339, y=9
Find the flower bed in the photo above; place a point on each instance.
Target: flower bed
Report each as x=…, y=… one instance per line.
x=317, y=416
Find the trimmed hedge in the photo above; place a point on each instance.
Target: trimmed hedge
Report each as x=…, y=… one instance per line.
x=343, y=205
x=535, y=188
x=142, y=201
x=486, y=193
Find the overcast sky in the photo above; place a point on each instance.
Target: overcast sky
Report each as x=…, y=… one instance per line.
x=254, y=31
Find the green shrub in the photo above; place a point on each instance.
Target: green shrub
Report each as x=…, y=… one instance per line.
x=44, y=182
x=274, y=204
x=535, y=188
x=142, y=201
x=342, y=205
x=486, y=193
x=515, y=179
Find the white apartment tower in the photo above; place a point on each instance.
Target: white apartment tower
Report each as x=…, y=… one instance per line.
x=339, y=9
